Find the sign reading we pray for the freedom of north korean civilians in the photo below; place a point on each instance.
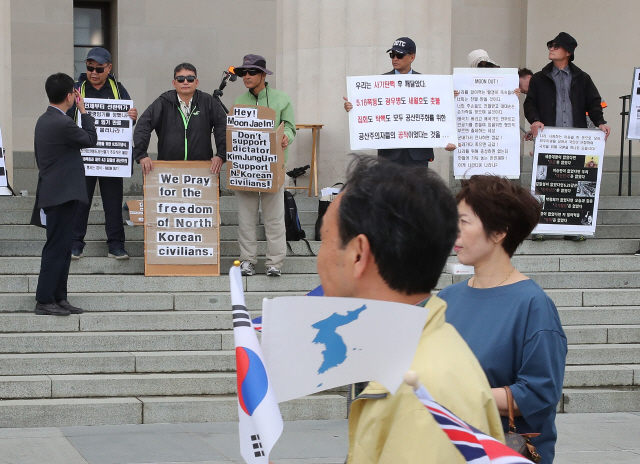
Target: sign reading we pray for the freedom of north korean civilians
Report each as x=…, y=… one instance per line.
x=488, y=113
x=401, y=111
x=567, y=171
x=111, y=157
x=182, y=220
x=255, y=158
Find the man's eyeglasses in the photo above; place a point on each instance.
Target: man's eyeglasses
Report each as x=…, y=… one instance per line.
x=98, y=69
x=393, y=55
x=244, y=72
x=181, y=79
x=553, y=46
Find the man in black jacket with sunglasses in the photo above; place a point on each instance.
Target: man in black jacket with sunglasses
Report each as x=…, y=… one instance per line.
x=183, y=119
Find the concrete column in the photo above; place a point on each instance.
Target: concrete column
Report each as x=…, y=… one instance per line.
x=5, y=85
x=320, y=43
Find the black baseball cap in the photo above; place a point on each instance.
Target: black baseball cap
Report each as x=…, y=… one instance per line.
x=100, y=55
x=565, y=41
x=403, y=45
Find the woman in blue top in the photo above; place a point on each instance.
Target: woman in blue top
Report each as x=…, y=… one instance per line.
x=509, y=322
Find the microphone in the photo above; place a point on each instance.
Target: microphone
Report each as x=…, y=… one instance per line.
x=233, y=76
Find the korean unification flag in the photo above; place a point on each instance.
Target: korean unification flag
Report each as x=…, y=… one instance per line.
x=260, y=419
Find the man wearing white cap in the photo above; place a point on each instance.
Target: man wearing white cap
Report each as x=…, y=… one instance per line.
x=480, y=59
x=254, y=73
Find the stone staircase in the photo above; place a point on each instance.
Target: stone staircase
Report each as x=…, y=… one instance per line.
x=160, y=349
x=147, y=349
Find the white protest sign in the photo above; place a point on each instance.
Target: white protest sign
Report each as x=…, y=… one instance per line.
x=111, y=157
x=566, y=176
x=487, y=112
x=633, y=131
x=3, y=170
x=312, y=344
x=401, y=111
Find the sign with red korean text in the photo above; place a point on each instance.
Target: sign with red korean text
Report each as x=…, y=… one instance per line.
x=401, y=111
x=566, y=176
x=488, y=115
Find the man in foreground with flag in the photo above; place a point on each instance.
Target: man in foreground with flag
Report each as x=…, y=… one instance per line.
x=258, y=412
x=387, y=237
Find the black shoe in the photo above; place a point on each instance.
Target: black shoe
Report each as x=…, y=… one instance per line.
x=76, y=253
x=118, y=254
x=64, y=304
x=51, y=309
x=638, y=252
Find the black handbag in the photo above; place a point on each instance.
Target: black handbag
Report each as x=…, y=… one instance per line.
x=322, y=208
x=520, y=442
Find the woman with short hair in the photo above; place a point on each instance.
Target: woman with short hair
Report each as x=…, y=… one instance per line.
x=507, y=320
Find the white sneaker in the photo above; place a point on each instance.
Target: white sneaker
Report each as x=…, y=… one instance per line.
x=273, y=271
x=247, y=268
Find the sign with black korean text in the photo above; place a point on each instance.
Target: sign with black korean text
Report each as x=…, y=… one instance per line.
x=401, y=111
x=111, y=157
x=487, y=114
x=633, y=130
x=567, y=170
x=181, y=219
x=255, y=158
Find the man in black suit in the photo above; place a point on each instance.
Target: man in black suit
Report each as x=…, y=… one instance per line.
x=402, y=54
x=61, y=186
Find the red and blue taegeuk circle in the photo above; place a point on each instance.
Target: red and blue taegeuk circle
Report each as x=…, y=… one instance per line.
x=252, y=379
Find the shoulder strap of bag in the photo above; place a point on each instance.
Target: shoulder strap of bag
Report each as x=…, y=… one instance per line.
x=512, y=423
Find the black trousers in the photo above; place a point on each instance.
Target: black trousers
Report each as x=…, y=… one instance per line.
x=56, y=253
x=405, y=160
x=111, y=193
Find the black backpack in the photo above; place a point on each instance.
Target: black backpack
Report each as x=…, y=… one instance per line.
x=294, y=230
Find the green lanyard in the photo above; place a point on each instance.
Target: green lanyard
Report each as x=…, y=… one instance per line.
x=185, y=121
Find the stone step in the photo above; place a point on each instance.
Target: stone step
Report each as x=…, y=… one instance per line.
x=227, y=203
x=88, y=342
x=159, y=301
x=614, y=334
x=619, y=216
x=578, y=280
x=602, y=376
x=227, y=218
x=116, y=385
x=600, y=354
x=558, y=246
x=116, y=362
x=11, y=233
x=606, y=399
x=96, y=266
x=136, y=248
x=602, y=315
x=68, y=412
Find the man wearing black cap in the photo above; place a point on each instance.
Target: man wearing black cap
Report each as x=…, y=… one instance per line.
x=402, y=54
x=254, y=73
x=98, y=82
x=562, y=94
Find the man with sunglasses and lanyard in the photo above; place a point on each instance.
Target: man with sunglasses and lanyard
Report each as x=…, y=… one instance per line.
x=254, y=73
x=561, y=95
x=98, y=82
x=183, y=119
x=402, y=54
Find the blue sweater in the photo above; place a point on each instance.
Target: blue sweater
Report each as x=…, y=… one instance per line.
x=515, y=333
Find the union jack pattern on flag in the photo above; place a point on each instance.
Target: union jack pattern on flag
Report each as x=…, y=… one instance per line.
x=475, y=446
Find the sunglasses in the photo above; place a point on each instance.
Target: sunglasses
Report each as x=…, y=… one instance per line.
x=244, y=72
x=553, y=46
x=98, y=69
x=181, y=79
x=393, y=55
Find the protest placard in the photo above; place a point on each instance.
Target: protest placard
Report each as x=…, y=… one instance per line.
x=111, y=157
x=487, y=114
x=3, y=170
x=633, y=130
x=255, y=157
x=567, y=170
x=182, y=219
x=401, y=111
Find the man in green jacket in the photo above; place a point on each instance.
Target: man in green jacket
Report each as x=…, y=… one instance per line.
x=254, y=72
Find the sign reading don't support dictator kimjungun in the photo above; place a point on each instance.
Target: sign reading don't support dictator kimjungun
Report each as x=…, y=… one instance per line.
x=255, y=158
